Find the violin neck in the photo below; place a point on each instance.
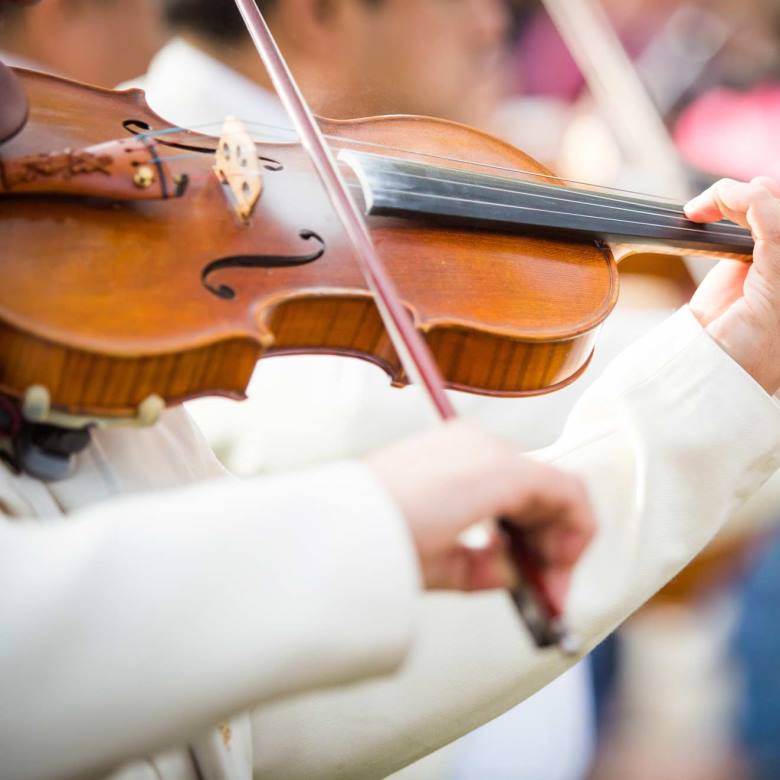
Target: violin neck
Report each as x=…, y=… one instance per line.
x=622, y=250
x=394, y=187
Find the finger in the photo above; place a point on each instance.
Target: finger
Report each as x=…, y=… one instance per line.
x=557, y=581
x=554, y=516
x=554, y=545
x=762, y=215
x=756, y=206
x=467, y=568
x=728, y=199
x=709, y=205
x=490, y=568
x=495, y=568
x=722, y=286
x=493, y=572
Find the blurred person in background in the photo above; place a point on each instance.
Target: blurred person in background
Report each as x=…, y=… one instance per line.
x=680, y=49
x=122, y=34
x=730, y=39
x=358, y=58
x=732, y=129
x=756, y=648
x=352, y=58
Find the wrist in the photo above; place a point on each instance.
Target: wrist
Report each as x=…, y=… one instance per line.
x=757, y=353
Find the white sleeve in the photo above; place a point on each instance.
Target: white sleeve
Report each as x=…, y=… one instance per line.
x=142, y=621
x=671, y=439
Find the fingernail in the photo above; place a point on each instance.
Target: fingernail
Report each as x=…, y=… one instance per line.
x=693, y=205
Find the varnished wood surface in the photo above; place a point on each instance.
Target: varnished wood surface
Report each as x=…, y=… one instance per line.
x=103, y=302
x=623, y=252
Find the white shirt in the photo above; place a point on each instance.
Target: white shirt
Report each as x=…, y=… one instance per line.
x=193, y=90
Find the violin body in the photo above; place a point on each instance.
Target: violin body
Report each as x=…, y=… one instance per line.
x=108, y=301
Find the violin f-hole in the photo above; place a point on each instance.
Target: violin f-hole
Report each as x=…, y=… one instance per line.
x=227, y=293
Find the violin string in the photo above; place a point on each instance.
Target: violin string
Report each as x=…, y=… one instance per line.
x=592, y=188
x=724, y=229
x=559, y=190
x=718, y=229
x=713, y=231
x=596, y=193
x=678, y=210
x=569, y=196
x=549, y=188
x=556, y=213
x=596, y=189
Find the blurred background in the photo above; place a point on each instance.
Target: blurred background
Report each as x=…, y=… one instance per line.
x=654, y=96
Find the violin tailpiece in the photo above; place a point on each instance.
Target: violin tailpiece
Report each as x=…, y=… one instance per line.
x=123, y=170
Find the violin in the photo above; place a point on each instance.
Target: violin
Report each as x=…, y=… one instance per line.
x=146, y=262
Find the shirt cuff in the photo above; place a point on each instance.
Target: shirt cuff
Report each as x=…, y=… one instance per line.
x=681, y=338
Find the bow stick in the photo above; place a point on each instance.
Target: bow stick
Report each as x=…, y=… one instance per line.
x=536, y=607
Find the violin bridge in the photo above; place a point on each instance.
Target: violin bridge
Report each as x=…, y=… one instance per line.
x=237, y=167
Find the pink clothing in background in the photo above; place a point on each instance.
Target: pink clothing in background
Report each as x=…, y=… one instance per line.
x=543, y=65
x=730, y=133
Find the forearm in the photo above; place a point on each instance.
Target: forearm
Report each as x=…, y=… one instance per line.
x=192, y=605
x=671, y=447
